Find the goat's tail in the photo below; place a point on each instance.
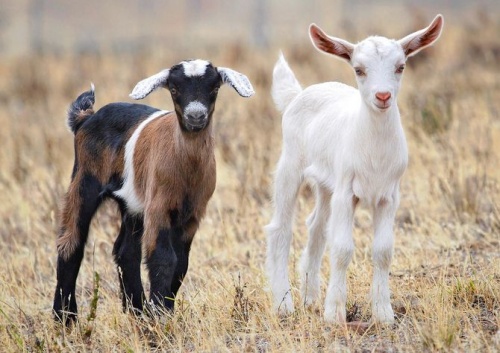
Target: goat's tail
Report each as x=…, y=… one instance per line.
x=81, y=108
x=285, y=86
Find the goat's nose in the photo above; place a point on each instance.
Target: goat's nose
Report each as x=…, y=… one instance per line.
x=196, y=116
x=383, y=96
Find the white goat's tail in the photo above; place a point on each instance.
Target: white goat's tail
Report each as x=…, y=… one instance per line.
x=285, y=86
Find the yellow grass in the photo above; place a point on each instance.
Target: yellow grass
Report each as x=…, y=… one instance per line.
x=445, y=277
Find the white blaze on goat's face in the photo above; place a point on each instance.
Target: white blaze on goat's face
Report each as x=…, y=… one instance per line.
x=195, y=67
x=195, y=115
x=378, y=64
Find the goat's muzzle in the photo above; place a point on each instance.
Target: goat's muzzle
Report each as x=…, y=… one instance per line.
x=195, y=116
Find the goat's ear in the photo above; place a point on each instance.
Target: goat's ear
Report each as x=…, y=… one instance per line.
x=330, y=45
x=238, y=81
x=148, y=85
x=417, y=41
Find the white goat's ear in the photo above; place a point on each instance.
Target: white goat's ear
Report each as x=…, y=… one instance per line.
x=238, y=81
x=330, y=45
x=148, y=85
x=417, y=41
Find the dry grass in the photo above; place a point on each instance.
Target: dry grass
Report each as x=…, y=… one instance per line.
x=445, y=276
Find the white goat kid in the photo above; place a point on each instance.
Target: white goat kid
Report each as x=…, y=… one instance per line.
x=351, y=144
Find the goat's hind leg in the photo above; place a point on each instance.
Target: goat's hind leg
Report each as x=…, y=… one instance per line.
x=128, y=254
x=311, y=258
x=279, y=232
x=81, y=202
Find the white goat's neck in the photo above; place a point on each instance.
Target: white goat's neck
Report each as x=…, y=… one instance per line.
x=379, y=123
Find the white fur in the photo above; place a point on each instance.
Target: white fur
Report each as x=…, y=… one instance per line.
x=127, y=192
x=236, y=80
x=351, y=146
x=195, y=107
x=148, y=85
x=195, y=67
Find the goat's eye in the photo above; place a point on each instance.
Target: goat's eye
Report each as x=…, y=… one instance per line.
x=400, y=69
x=173, y=91
x=359, y=71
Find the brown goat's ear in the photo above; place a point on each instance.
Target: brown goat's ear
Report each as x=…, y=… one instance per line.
x=330, y=45
x=148, y=85
x=238, y=81
x=417, y=41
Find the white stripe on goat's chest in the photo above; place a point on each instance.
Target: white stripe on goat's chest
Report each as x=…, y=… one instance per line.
x=195, y=67
x=128, y=192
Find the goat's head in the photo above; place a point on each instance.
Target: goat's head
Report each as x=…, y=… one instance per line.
x=193, y=85
x=377, y=61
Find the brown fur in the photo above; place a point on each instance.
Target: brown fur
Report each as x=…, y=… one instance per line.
x=170, y=171
x=68, y=238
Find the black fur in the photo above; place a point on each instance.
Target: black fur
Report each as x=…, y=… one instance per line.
x=128, y=255
x=85, y=101
x=161, y=265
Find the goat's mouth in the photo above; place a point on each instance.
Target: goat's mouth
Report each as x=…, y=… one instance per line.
x=195, y=126
x=382, y=107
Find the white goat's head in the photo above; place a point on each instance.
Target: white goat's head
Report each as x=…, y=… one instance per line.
x=377, y=61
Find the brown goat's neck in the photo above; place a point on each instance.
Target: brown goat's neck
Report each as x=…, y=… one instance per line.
x=194, y=147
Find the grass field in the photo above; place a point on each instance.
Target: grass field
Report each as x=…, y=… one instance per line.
x=445, y=277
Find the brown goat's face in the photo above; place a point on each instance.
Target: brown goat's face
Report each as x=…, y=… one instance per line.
x=193, y=86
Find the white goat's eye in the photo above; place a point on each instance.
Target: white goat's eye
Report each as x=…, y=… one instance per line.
x=400, y=69
x=359, y=71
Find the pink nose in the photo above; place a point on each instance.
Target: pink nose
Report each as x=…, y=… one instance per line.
x=383, y=96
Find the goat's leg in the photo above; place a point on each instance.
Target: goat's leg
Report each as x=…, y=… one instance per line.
x=341, y=249
x=383, y=242
x=81, y=202
x=182, y=248
x=279, y=232
x=127, y=253
x=162, y=262
x=311, y=258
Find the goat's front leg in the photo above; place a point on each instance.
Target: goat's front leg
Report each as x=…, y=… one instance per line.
x=182, y=247
x=341, y=249
x=161, y=262
x=383, y=242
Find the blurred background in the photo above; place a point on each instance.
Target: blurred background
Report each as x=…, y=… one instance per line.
x=28, y=26
x=447, y=227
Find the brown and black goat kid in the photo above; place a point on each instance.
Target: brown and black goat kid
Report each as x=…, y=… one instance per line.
x=159, y=167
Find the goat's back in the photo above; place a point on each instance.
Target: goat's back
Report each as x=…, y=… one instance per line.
x=100, y=141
